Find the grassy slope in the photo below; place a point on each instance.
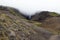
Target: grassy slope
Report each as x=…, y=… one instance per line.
x=14, y=26
x=51, y=23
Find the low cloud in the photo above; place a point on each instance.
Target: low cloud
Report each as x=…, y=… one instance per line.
x=29, y=7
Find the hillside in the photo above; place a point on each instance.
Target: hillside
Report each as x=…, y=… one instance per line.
x=48, y=20
x=14, y=26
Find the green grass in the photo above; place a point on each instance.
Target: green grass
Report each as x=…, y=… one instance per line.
x=54, y=14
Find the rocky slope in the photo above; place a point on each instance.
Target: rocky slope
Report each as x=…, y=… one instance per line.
x=48, y=20
x=14, y=26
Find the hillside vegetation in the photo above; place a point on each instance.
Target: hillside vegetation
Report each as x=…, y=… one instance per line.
x=48, y=20
x=15, y=26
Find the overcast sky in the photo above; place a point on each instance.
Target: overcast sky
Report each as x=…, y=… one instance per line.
x=32, y=6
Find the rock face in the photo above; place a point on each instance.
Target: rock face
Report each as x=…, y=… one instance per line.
x=14, y=26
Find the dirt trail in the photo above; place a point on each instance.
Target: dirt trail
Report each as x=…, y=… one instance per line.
x=55, y=37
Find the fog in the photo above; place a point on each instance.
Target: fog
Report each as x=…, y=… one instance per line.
x=29, y=7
